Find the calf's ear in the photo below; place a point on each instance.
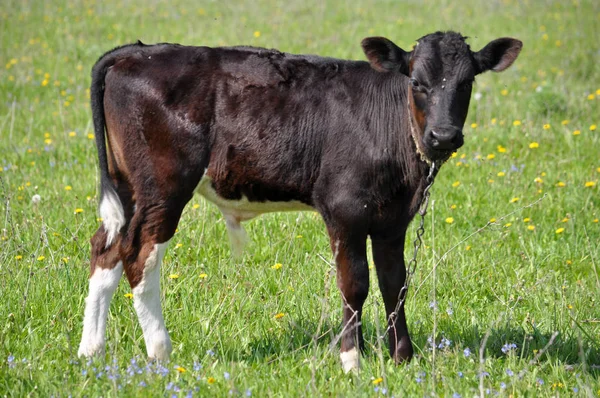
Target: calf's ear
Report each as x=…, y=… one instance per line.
x=385, y=56
x=498, y=54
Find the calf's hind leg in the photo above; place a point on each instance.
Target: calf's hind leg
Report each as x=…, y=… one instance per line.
x=106, y=271
x=149, y=232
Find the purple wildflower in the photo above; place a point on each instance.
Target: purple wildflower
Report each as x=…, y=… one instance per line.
x=467, y=352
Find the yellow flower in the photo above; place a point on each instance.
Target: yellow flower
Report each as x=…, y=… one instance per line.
x=564, y=122
x=78, y=210
x=454, y=154
x=513, y=200
x=298, y=236
x=591, y=97
x=72, y=134
x=526, y=219
x=173, y=276
x=203, y=276
x=453, y=207
x=41, y=258
x=491, y=156
x=378, y=380
x=90, y=136
x=449, y=220
x=590, y=184
x=538, y=180
x=493, y=219
x=546, y=126
x=455, y=184
x=534, y=145
x=560, y=230
x=490, y=181
x=473, y=125
x=210, y=380
x=595, y=220
x=256, y=33
x=592, y=127
x=195, y=206
x=177, y=246
x=18, y=257
x=576, y=132
x=566, y=219
x=517, y=123
x=47, y=141
x=501, y=149
x=128, y=295
x=598, y=92
x=68, y=188
x=560, y=184
x=531, y=227
x=494, y=120
x=508, y=224
x=180, y=369
x=279, y=315
x=501, y=174
x=468, y=247
x=277, y=266
x=504, y=92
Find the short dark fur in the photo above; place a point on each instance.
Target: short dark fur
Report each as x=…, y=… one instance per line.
x=271, y=126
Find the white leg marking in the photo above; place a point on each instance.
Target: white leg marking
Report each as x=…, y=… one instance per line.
x=103, y=284
x=237, y=235
x=146, y=300
x=350, y=360
x=113, y=217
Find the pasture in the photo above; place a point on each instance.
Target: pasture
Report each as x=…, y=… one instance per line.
x=505, y=299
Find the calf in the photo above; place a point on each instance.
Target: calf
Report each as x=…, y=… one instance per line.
x=256, y=130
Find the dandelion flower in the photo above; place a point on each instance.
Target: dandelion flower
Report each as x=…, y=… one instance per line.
x=591, y=97
x=449, y=220
x=203, y=276
x=256, y=33
x=590, y=184
x=526, y=219
x=538, y=180
x=128, y=295
x=68, y=188
x=546, y=126
x=504, y=92
x=534, y=145
x=41, y=258
x=593, y=127
x=72, y=134
x=195, y=206
x=473, y=125
x=18, y=257
x=491, y=156
x=177, y=246
x=455, y=184
x=35, y=199
x=277, y=266
x=514, y=200
x=78, y=210
x=501, y=149
x=210, y=380
x=174, y=276
x=180, y=369
x=564, y=122
x=501, y=174
x=453, y=207
x=531, y=227
x=90, y=136
x=576, y=132
x=279, y=315
x=378, y=380
x=508, y=224
x=493, y=219
x=560, y=230
x=560, y=184
x=566, y=219
x=468, y=247
x=517, y=123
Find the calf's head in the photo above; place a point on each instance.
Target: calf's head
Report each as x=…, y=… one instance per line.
x=441, y=70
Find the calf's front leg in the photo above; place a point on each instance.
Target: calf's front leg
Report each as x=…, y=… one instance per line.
x=391, y=273
x=349, y=251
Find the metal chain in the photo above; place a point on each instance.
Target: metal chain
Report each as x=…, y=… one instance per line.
x=417, y=242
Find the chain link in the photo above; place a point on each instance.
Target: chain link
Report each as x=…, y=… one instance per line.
x=417, y=242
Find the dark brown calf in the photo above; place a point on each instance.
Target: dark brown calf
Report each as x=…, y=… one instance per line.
x=256, y=130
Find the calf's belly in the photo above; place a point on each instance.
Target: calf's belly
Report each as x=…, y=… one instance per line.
x=243, y=209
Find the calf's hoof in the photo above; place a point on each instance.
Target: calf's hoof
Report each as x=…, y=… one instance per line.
x=350, y=360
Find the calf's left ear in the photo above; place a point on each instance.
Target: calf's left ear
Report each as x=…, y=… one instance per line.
x=498, y=54
x=385, y=56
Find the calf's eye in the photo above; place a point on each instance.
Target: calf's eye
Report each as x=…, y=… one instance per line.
x=414, y=82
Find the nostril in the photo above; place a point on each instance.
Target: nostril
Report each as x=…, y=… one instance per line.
x=435, y=143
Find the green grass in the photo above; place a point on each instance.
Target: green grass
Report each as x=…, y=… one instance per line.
x=506, y=284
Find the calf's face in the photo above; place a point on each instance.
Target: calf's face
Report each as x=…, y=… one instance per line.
x=441, y=70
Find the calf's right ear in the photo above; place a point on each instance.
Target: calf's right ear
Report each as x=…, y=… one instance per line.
x=385, y=56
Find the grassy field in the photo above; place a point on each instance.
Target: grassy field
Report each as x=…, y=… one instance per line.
x=509, y=309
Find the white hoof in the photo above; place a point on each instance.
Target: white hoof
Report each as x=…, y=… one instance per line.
x=160, y=348
x=350, y=360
